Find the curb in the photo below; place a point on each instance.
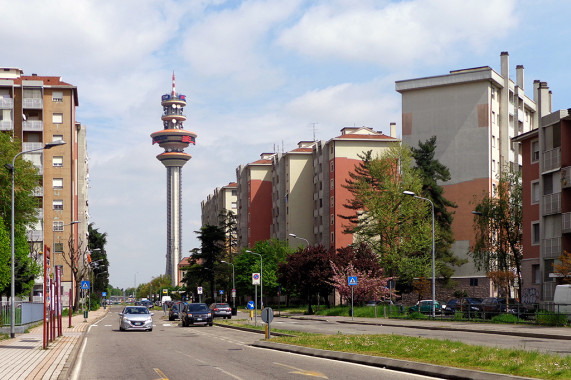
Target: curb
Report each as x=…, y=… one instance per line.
x=393, y=364
x=248, y=329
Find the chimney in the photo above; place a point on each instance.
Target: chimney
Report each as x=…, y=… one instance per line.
x=505, y=59
x=394, y=130
x=542, y=97
x=519, y=75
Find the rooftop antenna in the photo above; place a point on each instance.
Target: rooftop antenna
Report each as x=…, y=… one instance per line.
x=173, y=89
x=314, y=129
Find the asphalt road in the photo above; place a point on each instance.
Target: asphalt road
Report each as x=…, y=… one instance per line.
x=174, y=352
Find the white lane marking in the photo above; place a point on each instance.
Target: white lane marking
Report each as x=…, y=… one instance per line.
x=108, y=325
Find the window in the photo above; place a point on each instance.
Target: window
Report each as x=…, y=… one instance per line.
x=493, y=93
x=473, y=282
x=547, y=269
x=535, y=238
x=535, y=151
x=535, y=274
x=493, y=141
x=234, y=205
x=58, y=226
x=57, y=138
x=57, y=118
x=331, y=166
x=535, y=192
x=234, y=192
x=57, y=161
x=332, y=202
x=58, y=204
x=57, y=183
x=493, y=118
x=493, y=165
x=332, y=238
x=57, y=96
x=58, y=247
x=332, y=184
x=332, y=219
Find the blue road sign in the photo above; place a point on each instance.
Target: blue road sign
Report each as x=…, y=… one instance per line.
x=103, y=294
x=352, y=280
x=250, y=305
x=85, y=285
x=221, y=292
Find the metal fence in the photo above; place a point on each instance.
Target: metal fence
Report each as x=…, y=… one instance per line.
x=26, y=312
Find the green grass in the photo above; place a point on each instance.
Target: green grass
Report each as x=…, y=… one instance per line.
x=433, y=351
x=442, y=352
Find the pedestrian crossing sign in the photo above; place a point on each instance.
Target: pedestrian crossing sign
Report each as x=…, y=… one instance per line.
x=352, y=280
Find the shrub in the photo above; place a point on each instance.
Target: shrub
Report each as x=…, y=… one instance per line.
x=505, y=318
x=548, y=318
x=417, y=315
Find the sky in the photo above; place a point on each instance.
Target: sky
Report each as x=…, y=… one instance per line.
x=259, y=76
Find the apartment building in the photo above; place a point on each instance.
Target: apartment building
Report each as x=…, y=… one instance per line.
x=474, y=113
x=546, y=185
x=333, y=160
x=222, y=200
x=254, y=200
x=36, y=110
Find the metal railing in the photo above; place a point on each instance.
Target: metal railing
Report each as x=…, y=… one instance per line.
x=551, y=247
x=26, y=312
x=33, y=125
x=551, y=159
x=6, y=103
x=551, y=204
x=6, y=125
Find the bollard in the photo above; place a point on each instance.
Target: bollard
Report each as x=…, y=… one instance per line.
x=251, y=314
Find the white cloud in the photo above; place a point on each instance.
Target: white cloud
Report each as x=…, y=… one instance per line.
x=400, y=33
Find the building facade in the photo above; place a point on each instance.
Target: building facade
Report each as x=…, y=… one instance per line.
x=222, y=200
x=36, y=110
x=474, y=113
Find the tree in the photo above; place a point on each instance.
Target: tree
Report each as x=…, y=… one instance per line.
x=564, y=267
x=369, y=286
x=498, y=226
x=229, y=224
x=99, y=262
x=396, y=227
x=76, y=258
x=432, y=172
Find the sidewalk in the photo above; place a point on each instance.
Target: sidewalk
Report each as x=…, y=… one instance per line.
x=23, y=357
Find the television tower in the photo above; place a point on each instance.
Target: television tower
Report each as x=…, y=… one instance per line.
x=173, y=139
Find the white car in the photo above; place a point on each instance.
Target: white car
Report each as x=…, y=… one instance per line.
x=136, y=318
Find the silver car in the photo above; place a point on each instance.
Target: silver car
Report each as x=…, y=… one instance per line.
x=136, y=318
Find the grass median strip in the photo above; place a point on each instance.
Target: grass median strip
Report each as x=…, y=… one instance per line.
x=434, y=351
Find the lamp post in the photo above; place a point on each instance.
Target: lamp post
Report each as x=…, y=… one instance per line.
x=300, y=238
x=412, y=194
x=233, y=284
x=261, y=278
x=12, y=169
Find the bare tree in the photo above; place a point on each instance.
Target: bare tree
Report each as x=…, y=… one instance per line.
x=77, y=258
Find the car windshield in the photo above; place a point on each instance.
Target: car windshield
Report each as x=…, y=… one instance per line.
x=136, y=310
x=197, y=307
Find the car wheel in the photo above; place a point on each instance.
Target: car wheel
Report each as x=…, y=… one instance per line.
x=150, y=330
x=230, y=317
x=210, y=324
x=121, y=328
x=171, y=319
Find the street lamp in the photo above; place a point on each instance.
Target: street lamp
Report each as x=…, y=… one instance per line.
x=233, y=285
x=412, y=194
x=12, y=169
x=261, y=278
x=300, y=238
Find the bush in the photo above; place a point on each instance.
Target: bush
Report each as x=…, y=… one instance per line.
x=505, y=318
x=548, y=318
x=417, y=315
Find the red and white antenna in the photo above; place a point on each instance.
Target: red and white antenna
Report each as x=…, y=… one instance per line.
x=173, y=89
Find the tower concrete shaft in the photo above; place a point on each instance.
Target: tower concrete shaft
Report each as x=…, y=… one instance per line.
x=173, y=139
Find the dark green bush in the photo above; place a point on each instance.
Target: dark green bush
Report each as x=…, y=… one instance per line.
x=548, y=318
x=505, y=318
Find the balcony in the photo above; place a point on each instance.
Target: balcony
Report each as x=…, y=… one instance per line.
x=551, y=160
x=551, y=204
x=6, y=125
x=551, y=248
x=33, y=126
x=566, y=222
x=6, y=103
x=35, y=236
x=32, y=145
x=34, y=103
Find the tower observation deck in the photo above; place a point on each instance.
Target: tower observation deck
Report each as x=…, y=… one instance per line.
x=173, y=139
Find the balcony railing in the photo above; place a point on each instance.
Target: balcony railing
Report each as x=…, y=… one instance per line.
x=552, y=204
x=6, y=103
x=32, y=145
x=6, y=125
x=35, y=236
x=551, y=159
x=32, y=103
x=38, y=191
x=551, y=248
x=33, y=125
x=566, y=222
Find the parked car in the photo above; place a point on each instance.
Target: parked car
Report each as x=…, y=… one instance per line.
x=492, y=306
x=450, y=306
x=175, y=311
x=470, y=306
x=147, y=303
x=196, y=313
x=425, y=307
x=136, y=318
x=221, y=310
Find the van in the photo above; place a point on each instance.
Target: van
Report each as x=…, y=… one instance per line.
x=562, y=300
x=165, y=299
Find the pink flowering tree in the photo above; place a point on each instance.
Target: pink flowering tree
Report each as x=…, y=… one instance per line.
x=370, y=285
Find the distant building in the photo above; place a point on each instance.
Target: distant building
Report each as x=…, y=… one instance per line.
x=36, y=110
x=222, y=200
x=474, y=113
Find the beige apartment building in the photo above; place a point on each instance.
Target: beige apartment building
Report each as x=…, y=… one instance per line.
x=36, y=110
x=222, y=200
x=474, y=113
